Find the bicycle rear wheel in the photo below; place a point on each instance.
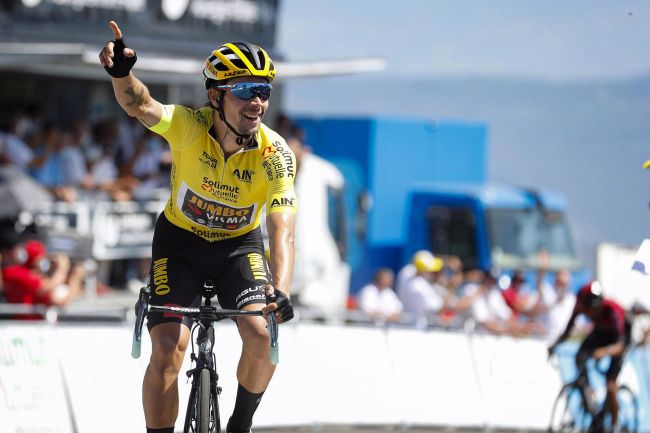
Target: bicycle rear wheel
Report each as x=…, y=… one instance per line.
x=569, y=414
x=202, y=414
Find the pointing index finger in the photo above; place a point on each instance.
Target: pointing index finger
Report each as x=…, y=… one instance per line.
x=116, y=30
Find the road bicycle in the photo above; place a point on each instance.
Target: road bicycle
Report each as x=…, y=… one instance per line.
x=578, y=410
x=202, y=415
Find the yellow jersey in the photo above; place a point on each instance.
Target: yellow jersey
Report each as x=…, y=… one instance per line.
x=218, y=198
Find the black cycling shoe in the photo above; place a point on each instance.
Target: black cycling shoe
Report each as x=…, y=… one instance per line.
x=236, y=431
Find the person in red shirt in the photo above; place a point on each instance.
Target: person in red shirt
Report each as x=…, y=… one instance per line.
x=40, y=280
x=610, y=336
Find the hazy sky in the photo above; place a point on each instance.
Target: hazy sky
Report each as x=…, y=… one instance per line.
x=556, y=40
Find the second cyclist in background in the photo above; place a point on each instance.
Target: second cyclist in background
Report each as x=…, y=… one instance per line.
x=610, y=337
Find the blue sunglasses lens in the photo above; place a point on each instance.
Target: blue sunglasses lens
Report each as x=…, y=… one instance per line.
x=247, y=91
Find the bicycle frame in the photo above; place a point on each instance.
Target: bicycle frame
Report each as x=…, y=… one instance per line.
x=203, y=407
x=582, y=417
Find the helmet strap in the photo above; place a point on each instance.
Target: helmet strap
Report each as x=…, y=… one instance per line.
x=241, y=138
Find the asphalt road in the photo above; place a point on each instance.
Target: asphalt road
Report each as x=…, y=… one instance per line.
x=383, y=429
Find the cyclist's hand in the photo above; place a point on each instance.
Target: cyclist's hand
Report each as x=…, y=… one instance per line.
x=279, y=303
x=599, y=353
x=115, y=57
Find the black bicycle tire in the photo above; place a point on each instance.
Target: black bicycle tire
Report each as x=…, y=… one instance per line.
x=203, y=408
x=566, y=389
x=635, y=404
x=215, y=410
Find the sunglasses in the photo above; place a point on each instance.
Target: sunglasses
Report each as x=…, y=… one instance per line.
x=248, y=91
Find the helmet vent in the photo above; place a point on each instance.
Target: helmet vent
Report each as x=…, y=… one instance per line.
x=238, y=63
x=261, y=61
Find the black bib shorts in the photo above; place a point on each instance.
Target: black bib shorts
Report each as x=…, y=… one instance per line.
x=182, y=261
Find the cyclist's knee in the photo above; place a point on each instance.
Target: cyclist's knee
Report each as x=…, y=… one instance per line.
x=168, y=344
x=255, y=337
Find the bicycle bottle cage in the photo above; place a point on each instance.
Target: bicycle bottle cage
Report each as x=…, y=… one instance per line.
x=208, y=289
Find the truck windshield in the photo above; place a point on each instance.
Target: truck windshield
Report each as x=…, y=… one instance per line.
x=518, y=235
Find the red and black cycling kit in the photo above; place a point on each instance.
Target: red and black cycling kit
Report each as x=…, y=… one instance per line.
x=610, y=326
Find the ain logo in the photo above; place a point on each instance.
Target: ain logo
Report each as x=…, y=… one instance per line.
x=243, y=175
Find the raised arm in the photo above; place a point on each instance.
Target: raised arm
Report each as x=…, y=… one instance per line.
x=132, y=95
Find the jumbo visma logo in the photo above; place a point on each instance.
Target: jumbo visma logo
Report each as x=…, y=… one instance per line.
x=160, y=279
x=257, y=267
x=214, y=214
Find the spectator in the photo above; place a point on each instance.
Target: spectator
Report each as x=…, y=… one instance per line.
x=128, y=130
x=319, y=276
x=51, y=172
x=378, y=300
x=144, y=166
x=418, y=295
x=451, y=275
x=105, y=179
x=42, y=281
x=489, y=308
x=409, y=270
x=468, y=291
x=73, y=161
x=560, y=311
x=8, y=239
x=15, y=150
x=517, y=295
x=284, y=126
x=526, y=302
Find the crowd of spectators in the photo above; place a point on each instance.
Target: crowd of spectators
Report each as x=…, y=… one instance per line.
x=116, y=159
x=120, y=160
x=437, y=291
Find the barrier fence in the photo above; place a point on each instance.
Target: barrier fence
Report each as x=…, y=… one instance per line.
x=64, y=378
x=102, y=230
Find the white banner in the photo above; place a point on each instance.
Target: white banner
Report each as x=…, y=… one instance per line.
x=81, y=378
x=32, y=394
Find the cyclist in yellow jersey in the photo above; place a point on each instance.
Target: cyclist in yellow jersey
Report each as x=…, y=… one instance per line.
x=227, y=166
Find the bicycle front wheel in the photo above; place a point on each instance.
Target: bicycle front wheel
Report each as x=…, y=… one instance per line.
x=203, y=406
x=569, y=414
x=628, y=410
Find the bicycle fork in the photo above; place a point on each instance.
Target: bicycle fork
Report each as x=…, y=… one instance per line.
x=205, y=359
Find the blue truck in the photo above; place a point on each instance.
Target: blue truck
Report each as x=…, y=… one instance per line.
x=415, y=184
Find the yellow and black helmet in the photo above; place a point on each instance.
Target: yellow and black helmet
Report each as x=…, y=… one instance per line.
x=237, y=59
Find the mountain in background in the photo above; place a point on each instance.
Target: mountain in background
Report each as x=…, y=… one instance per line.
x=585, y=140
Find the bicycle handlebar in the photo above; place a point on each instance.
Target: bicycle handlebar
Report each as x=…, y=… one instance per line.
x=273, y=334
x=142, y=308
x=599, y=365
x=212, y=313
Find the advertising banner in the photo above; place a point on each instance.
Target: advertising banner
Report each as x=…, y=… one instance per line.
x=33, y=397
